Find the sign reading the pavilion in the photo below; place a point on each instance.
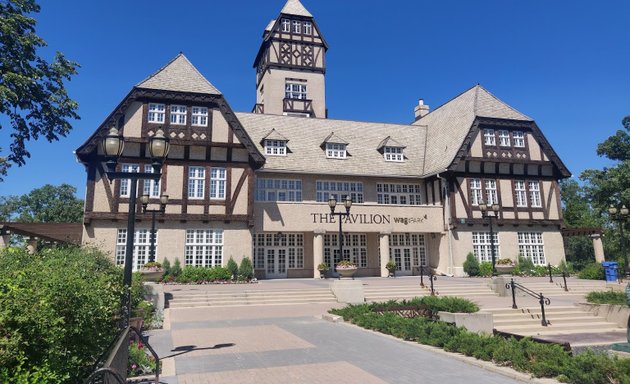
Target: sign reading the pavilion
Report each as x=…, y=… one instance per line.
x=366, y=218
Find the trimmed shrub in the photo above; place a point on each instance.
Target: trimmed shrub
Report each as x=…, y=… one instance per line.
x=246, y=270
x=177, y=269
x=166, y=265
x=471, y=265
x=593, y=271
x=232, y=267
x=526, y=266
x=485, y=269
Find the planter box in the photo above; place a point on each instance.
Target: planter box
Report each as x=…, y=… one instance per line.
x=474, y=322
x=152, y=275
x=347, y=272
x=504, y=269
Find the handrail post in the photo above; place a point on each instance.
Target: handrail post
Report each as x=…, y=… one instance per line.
x=431, y=277
x=513, y=294
x=542, y=309
x=421, y=276
x=564, y=278
x=550, y=276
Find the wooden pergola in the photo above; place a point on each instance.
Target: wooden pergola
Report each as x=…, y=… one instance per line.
x=57, y=233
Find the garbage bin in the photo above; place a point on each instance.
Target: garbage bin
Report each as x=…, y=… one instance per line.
x=610, y=270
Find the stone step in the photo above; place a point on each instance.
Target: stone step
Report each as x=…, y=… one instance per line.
x=552, y=320
x=214, y=303
x=583, y=327
x=534, y=310
x=236, y=297
x=556, y=315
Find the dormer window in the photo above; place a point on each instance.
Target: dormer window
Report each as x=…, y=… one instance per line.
x=335, y=151
x=504, y=138
x=519, y=139
x=297, y=26
x=156, y=113
x=308, y=28
x=276, y=147
x=286, y=25
x=488, y=136
x=393, y=154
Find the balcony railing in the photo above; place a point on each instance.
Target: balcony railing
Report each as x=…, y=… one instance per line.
x=298, y=106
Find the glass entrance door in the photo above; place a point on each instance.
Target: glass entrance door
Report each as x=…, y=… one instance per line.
x=276, y=263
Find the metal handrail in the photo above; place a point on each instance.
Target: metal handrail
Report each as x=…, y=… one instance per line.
x=564, y=277
x=542, y=300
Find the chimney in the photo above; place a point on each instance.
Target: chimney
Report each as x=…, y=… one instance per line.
x=421, y=110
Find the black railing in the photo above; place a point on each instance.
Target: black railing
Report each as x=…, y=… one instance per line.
x=432, y=278
x=564, y=277
x=111, y=367
x=542, y=300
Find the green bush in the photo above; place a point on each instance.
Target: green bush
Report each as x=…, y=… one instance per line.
x=246, y=270
x=597, y=368
x=58, y=313
x=485, y=269
x=615, y=298
x=166, y=265
x=192, y=274
x=471, y=265
x=177, y=269
x=526, y=266
x=593, y=271
x=233, y=268
x=449, y=304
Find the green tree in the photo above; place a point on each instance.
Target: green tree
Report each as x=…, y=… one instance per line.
x=48, y=204
x=33, y=97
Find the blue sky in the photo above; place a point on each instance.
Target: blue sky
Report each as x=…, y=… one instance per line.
x=564, y=63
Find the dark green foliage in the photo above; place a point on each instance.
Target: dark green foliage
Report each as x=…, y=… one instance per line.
x=48, y=204
x=485, y=269
x=58, y=312
x=615, y=298
x=526, y=266
x=246, y=270
x=597, y=368
x=449, y=304
x=232, y=267
x=166, y=265
x=471, y=265
x=177, y=269
x=593, y=271
x=200, y=274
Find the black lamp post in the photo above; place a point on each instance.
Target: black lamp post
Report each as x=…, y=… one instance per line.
x=485, y=210
x=621, y=216
x=332, y=203
x=112, y=146
x=144, y=200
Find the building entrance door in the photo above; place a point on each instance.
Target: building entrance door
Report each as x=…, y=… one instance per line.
x=408, y=251
x=402, y=257
x=276, y=263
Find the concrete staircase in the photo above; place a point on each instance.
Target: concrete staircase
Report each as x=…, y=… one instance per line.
x=191, y=299
x=562, y=320
x=576, y=287
x=397, y=292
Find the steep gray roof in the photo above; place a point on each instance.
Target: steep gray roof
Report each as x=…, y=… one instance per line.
x=389, y=142
x=306, y=155
x=274, y=135
x=448, y=125
x=294, y=7
x=179, y=75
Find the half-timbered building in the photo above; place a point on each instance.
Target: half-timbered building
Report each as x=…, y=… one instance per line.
x=257, y=184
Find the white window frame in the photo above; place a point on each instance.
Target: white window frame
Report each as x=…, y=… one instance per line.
x=295, y=90
x=204, y=248
x=218, y=177
x=335, y=151
x=196, y=183
x=476, y=193
x=285, y=25
x=532, y=246
x=482, y=246
x=276, y=147
x=491, y=191
x=289, y=190
x=308, y=28
x=519, y=139
x=354, y=249
x=141, y=245
x=534, y=194
x=520, y=193
x=324, y=189
x=151, y=187
x=297, y=26
x=125, y=184
x=393, y=154
x=156, y=113
x=504, y=138
x=488, y=137
x=178, y=114
x=199, y=116
x=293, y=243
x=398, y=194
x=415, y=241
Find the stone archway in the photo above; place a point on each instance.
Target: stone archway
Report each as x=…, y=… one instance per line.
x=596, y=236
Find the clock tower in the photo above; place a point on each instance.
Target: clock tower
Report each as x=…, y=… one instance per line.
x=291, y=65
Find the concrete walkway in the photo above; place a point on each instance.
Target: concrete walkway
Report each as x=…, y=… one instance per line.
x=292, y=344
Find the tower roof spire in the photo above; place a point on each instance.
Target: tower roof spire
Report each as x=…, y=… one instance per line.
x=295, y=7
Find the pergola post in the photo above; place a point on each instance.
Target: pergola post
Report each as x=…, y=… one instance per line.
x=598, y=247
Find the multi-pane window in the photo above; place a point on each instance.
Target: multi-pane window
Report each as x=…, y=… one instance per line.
x=531, y=246
x=199, y=117
x=291, y=244
x=204, y=248
x=178, y=114
x=400, y=243
x=141, y=244
x=217, y=183
x=354, y=249
x=534, y=194
x=297, y=26
x=519, y=139
x=308, y=28
x=403, y=194
x=520, y=193
x=278, y=190
x=504, y=138
x=125, y=183
x=335, y=151
x=476, y=194
x=151, y=187
x=491, y=192
x=276, y=147
x=196, y=181
x=295, y=90
x=488, y=137
x=156, y=113
x=339, y=190
x=482, y=247
x=393, y=154
x=286, y=25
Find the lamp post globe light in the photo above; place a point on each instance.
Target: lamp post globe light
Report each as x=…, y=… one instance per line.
x=113, y=145
x=347, y=203
x=144, y=200
x=485, y=210
x=621, y=216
